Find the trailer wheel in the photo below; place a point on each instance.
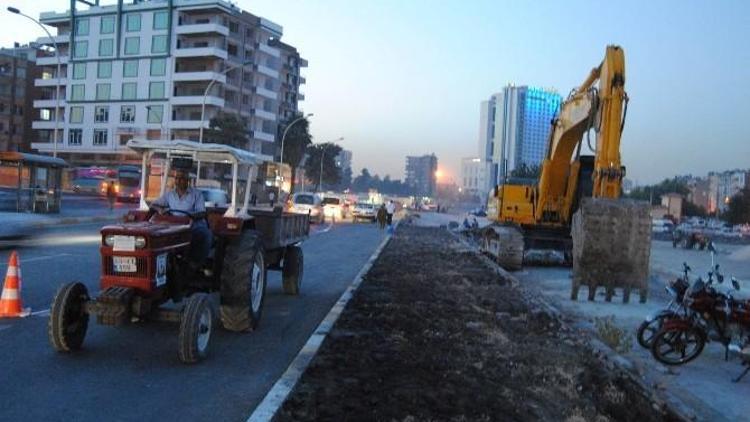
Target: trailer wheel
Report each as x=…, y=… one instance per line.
x=243, y=283
x=291, y=273
x=68, y=320
x=196, y=324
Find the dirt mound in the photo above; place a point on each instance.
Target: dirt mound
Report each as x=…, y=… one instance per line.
x=432, y=334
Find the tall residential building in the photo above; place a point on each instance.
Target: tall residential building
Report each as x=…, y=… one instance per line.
x=472, y=176
x=514, y=129
x=17, y=74
x=141, y=69
x=420, y=174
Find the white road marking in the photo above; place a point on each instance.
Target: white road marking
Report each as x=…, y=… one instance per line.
x=41, y=313
x=40, y=258
x=2, y=327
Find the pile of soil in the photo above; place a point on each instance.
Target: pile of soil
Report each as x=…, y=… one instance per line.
x=433, y=334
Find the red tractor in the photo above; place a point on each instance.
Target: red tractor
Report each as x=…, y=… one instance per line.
x=145, y=270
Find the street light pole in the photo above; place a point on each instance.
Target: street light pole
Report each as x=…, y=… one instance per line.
x=281, y=158
x=59, y=69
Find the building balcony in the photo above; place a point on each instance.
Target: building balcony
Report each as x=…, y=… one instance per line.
x=51, y=60
x=48, y=103
x=60, y=39
x=189, y=124
x=199, y=76
x=302, y=80
x=300, y=97
x=197, y=100
x=266, y=93
x=265, y=114
x=201, y=52
x=263, y=136
x=47, y=124
x=50, y=82
x=268, y=71
x=202, y=28
x=272, y=51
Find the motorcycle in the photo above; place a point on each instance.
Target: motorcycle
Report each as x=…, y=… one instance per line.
x=653, y=323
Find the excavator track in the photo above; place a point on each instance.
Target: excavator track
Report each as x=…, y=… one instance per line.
x=611, y=247
x=504, y=243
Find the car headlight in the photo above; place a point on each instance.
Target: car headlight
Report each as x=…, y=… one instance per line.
x=109, y=240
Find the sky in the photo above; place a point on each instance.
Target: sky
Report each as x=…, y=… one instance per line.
x=406, y=77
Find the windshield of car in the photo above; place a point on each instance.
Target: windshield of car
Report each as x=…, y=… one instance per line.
x=363, y=205
x=331, y=201
x=304, y=200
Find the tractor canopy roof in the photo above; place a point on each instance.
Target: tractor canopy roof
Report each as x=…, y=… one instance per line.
x=208, y=153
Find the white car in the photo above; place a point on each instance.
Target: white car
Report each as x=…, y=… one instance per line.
x=214, y=197
x=364, y=211
x=308, y=203
x=334, y=207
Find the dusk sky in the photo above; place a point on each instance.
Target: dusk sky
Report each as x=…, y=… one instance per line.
x=398, y=77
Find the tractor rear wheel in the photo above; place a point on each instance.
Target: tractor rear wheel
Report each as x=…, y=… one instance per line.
x=196, y=325
x=291, y=273
x=68, y=320
x=243, y=283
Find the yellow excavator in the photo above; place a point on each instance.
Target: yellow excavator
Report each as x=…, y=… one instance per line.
x=575, y=207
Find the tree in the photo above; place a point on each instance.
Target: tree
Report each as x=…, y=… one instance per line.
x=738, y=211
x=228, y=129
x=653, y=193
x=327, y=152
x=363, y=182
x=295, y=145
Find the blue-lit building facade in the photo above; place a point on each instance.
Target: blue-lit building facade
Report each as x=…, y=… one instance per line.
x=514, y=129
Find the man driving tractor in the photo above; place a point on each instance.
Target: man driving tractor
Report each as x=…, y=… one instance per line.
x=186, y=200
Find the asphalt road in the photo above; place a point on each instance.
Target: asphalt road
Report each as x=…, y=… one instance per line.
x=132, y=372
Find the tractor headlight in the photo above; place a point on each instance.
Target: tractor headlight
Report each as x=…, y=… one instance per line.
x=109, y=240
x=140, y=242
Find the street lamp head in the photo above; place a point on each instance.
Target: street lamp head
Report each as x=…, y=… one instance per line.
x=309, y=115
x=14, y=10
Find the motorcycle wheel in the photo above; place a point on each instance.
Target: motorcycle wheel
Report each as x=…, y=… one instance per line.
x=678, y=346
x=648, y=329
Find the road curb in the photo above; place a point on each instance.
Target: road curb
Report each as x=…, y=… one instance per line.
x=607, y=356
x=275, y=397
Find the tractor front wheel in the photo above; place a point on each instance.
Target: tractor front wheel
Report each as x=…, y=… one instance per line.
x=243, y=283
x=291, y=273
x=68, y=320
x=196, y=324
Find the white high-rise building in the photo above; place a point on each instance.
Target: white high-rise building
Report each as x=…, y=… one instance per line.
x=140, y=69
x=472, y=176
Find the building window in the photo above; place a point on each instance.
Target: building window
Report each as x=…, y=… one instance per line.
x=133, y=22
x=107, y=25
x=79, y=70
x=82, y=26
x=130, y=68
x=127, y=114
x=104, y=70
x=100, y=137
x=132, y=46
x=160, y=20
x=103, y=91
x=129, y=91
x=106, y=47
x=78, y=92
x=75, y=136
x=125, y=138
x=234, y=27
x=76, y=115
x=80, y=49
x=156, y=90
x=101, y=114
x=158, y=67
x=155, y=113
x=159, y=44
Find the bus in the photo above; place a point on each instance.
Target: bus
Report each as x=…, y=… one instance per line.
x=127, y=183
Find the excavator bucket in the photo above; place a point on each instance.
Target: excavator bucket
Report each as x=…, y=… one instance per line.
x=611, y=247
x=505, y=244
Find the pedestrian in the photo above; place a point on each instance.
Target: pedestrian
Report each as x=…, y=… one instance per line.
x=111, y=195
x=272, y=198
x=390, y=209
x=382, y=216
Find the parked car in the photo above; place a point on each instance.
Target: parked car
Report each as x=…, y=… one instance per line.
x=215, y=198
x=364, y=211
x=334, y=207
x=662, y=225
x=308, y=202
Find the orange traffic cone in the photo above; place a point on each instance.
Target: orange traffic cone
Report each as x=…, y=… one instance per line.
x=10, y=301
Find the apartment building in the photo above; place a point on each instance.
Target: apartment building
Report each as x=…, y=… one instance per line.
x=146, y=69
x=420, y=174
x=472, y=177
x=17, y=74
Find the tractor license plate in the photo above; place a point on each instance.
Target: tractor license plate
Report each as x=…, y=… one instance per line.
x=124, y=264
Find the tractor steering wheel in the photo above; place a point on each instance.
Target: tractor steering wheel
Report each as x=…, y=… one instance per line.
x=155, y=209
